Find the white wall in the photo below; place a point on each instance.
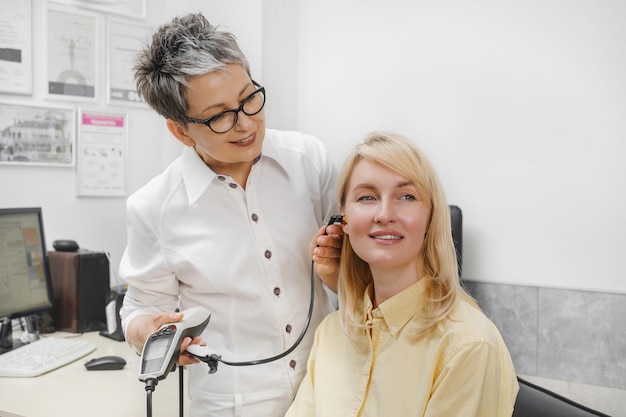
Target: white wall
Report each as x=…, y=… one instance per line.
x=520, y=106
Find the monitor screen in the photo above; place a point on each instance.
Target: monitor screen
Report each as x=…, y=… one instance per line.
x=25, y=286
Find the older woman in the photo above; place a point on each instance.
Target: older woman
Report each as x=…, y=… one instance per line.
x=228, y=225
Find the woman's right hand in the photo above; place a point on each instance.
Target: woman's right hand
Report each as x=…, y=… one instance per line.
x=141, y=327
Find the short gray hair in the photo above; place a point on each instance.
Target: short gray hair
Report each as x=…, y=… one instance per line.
x=185, y=47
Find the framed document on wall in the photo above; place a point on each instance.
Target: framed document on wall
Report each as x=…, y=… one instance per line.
x=128, y=8
x=125, y=42
x=16, y=47
x=72, y=54
x=101, y=154
x=34, y=135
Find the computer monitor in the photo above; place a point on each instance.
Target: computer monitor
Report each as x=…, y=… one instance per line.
x=25, y=286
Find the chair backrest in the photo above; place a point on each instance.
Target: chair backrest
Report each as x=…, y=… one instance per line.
x=535, y=401
x=456, y=217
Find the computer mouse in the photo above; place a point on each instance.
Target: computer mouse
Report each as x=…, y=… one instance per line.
x=65, y=245
x=105, y=363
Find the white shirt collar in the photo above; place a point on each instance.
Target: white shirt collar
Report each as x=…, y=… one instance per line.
x=197, y=175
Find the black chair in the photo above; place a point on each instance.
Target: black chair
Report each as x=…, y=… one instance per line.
x=532, y=400
x=535, y=401
x=456, y=218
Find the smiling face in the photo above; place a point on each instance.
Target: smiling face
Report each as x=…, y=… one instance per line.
x=232, y=152
x=385, y=220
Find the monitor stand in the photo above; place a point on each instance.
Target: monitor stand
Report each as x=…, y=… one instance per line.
x=6, y=335
x=7, y=342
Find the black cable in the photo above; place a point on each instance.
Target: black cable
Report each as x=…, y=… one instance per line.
x=180, y=391
x=213, y=359
x=150, y=386
x=148, y=403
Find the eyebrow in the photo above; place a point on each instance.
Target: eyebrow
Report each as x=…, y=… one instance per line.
x=368, y=186
x=212, y=106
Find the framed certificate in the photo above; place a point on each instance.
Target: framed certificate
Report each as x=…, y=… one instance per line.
x=33, y=135
x=125, y=42
x=101, y=154
x=136, y=9
x=16, y=47
x=72, y=54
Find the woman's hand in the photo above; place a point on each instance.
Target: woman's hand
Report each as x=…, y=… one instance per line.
x=141, y=327
x=326, y=251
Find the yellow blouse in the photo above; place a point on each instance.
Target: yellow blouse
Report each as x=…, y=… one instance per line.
x=460, y=368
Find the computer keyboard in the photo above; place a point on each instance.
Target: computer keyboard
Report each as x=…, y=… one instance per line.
x=43, y=355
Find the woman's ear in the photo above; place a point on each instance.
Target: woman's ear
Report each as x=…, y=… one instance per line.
x=180, y=133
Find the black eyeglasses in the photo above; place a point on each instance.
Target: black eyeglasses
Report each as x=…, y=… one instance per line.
x=226, y=120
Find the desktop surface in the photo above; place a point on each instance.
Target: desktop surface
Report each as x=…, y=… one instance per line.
x=73, y=391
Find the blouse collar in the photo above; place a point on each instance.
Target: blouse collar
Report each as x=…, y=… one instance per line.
x=397, y=310
x=197, y=176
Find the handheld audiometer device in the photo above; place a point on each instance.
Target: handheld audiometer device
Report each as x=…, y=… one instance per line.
x=162, y=348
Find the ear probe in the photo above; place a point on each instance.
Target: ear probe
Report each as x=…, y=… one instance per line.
x=336, y=218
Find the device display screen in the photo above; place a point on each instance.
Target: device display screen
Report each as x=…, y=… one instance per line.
x=155, y=353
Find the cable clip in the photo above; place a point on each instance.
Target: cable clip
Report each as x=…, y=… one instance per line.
x=213, y=361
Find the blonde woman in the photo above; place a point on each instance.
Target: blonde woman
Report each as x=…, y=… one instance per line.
x=407, y=339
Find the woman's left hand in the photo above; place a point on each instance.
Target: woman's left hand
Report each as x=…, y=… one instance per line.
x=326, y=251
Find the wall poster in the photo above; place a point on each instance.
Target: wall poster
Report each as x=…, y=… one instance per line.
x=101, y=154
x=31, y=135
x=16, y=47
x=125, y=42
x=72, y=51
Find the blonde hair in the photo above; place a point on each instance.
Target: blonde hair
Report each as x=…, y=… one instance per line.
x=440, y=269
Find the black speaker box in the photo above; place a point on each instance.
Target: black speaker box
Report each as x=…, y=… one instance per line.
x=81, y=290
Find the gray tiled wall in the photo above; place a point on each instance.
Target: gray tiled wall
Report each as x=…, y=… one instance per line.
x=570, y=335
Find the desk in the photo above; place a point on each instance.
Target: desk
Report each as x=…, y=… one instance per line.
x=73, y=391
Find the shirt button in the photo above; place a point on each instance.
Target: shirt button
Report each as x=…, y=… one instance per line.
x=232, y=185
x=379, y=313
x=276, y=291
x=288, y=328
x=268, y=254
x=255, y=218
x=221, y=177
x=292, y=364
